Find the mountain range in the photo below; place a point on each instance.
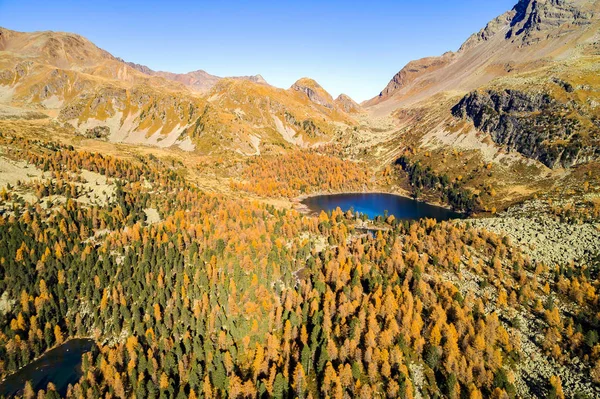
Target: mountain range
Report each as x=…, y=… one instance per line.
x=520, y=93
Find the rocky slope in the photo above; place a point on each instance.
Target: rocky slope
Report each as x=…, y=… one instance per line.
x=544, y=236
x=409, y=74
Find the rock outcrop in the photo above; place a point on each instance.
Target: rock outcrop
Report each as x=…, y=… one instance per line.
x=533, y=124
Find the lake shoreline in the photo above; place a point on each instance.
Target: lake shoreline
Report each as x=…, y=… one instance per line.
x=11, y=384
x=48, y=350
x=298, y=204
x=373, y=204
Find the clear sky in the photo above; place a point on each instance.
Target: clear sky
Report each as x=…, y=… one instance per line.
x=347, y=46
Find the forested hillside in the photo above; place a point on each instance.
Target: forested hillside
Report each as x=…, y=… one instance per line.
x=228, y=298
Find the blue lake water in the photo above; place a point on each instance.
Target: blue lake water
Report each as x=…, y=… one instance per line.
x=60, y=366
x=375, y=204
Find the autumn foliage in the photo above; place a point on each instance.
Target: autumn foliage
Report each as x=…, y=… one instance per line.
x=230, y=298
x=300, y=173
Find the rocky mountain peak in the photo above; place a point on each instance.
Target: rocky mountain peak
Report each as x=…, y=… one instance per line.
x=531, y=21
x=314, y=92
x=347, y=104
x=306, y=83
x=534, y=20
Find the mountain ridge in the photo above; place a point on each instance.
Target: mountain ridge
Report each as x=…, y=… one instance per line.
x=104, y=97
x=198, y=80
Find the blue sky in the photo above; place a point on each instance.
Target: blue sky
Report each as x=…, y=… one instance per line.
x=347, y=46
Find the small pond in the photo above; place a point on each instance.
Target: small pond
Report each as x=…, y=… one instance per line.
x=376, y=204
x=60, y=366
